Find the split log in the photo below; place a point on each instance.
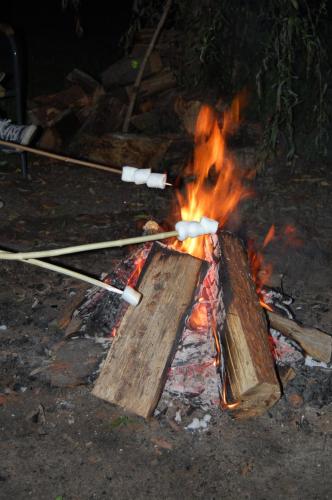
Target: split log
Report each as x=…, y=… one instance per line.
x=163, y=80
x=124, y=72
x=251, y=375
x=135, y=370
x=122, y=149
x=106, y=115
x=314, y=342
x=46, y=110
x=57, y=137
x=87, y=83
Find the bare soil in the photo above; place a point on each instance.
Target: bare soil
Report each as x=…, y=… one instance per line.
x=62, y=440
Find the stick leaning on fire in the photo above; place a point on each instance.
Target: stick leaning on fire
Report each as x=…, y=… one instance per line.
x=183, y=230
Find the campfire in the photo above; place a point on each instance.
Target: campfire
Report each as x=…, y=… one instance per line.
x=200, y=334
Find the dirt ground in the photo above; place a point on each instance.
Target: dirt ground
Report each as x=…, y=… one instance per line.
x=60, y=442
x=65, y=442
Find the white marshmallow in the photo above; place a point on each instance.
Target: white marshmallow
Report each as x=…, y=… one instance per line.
x=142, y=175
x=209, y=225
x=191, y=229
x=194, y=229
x=128, y=174
x=131, y=296
x=157, y=181
x=181, y=228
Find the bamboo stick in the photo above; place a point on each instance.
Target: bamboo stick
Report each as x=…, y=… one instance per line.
x=71, y=274
x=4, y=255
x=66, y=159
x=143, y=64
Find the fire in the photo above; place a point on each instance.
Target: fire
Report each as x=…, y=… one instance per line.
x=260, y=270
x=218, y=186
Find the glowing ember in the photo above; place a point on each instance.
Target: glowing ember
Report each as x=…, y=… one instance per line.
x=218, y=185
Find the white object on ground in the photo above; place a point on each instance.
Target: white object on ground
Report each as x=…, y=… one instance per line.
x=191, y=229
x=143, y=176
x=309, y=361
x=198, y=424
x=131, y=296
x=178, y=417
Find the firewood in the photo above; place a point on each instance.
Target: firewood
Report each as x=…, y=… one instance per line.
x=250, y=370
x=135, y=370
x=46, y=110
x=138, y=79
x=124, y=72
x=122, y=149
x=163, y=80
x=57, y=137
x=187, y=111
x=106, y=115
x=87, y=83
x=314, y=342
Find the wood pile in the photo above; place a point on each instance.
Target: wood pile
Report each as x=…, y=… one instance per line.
x=87, y=116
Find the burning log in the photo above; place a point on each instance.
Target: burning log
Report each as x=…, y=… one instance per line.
x=314, y=342
x=135, y=370
x=250, y=370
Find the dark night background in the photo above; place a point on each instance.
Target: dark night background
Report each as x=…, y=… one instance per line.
x=52, y=47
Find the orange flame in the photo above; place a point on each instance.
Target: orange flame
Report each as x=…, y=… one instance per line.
x=218, y=187
x=260, y=270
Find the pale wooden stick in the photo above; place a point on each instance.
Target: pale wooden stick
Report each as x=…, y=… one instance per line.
x=72, y=274
x=66, y=159
x=142, y=68
x=87, y=247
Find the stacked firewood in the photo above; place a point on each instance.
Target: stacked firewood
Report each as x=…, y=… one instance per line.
x=86, y=117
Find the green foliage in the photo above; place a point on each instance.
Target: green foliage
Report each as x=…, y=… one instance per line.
x=274, y=48
x=292, y=78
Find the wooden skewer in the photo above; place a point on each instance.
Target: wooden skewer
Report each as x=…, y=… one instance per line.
x=85, y=248
x=71, y=274
x=54, y=156
x=66, y=159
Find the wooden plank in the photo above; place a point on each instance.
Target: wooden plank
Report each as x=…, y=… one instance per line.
x=250, y=369
x=135, y=370
x=314, y=342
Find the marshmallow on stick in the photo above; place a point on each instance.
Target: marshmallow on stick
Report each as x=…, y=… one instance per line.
x=143, y=176
x=191, y=229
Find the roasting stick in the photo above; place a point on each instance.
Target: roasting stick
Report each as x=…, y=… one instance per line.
x=128, y=294
x=74, y=161
x=183, y=230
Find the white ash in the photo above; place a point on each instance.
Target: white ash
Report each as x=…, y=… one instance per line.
x=199, y=424
x=312, y=363
x=194, y=377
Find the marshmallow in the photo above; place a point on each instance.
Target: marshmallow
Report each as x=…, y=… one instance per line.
x=131, y=296
x=157, y=181
x=191, y=229
x=128, y=174
x=143, y=176
x=210, y=225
